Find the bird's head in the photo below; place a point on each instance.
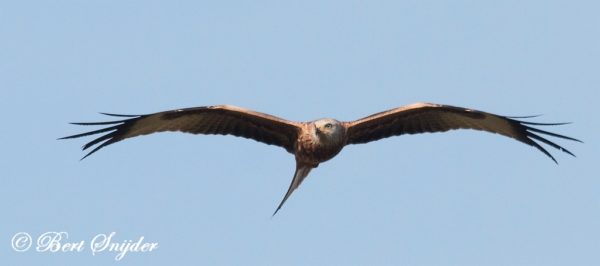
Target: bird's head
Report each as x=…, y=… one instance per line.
x=329, y=128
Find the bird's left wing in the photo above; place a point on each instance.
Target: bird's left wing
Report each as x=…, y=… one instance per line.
x=427, y=117
x=220, y=119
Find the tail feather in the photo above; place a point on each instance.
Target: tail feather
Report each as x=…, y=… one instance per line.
x=302, y=170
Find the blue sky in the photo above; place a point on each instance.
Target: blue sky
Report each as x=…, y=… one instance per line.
x=459, y=198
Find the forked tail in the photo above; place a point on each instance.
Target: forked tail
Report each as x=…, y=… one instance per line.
x=302, y=170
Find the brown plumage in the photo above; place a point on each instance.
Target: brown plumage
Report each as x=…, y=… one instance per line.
x=320, y=140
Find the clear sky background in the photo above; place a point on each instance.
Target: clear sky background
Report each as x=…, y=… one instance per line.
x=458, y=198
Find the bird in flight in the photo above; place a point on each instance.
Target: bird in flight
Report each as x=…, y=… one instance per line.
x=317, y=141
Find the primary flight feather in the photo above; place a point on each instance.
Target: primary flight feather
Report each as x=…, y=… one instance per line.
x=317, y=141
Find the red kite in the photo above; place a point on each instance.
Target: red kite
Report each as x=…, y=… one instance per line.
x=318, y=141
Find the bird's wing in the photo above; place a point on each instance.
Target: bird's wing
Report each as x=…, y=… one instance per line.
x=427, y=117
x=220, y=119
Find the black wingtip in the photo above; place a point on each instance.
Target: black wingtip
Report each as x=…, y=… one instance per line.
x=85, y=157
x=119, y=115
x=525, y=116
x=109, y=138
x=543, y=124
x=547, y=153
x=97, y=123
x=530, y=131
x=110, y=141
x=577, y=140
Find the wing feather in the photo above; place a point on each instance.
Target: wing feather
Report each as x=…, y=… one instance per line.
x=427, y=117
x=221, y=120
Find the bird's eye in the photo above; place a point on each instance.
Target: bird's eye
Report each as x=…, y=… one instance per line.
x=328, y=125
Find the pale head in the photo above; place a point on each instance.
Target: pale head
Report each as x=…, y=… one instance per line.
x=329, y=129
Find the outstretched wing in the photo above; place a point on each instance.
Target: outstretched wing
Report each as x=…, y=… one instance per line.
x=427, y=117
x=220, y=119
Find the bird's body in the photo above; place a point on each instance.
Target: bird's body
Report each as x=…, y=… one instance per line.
x=318, y=141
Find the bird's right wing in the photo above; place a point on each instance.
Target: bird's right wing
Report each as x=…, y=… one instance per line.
x=428, y=117
x=220, y=119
